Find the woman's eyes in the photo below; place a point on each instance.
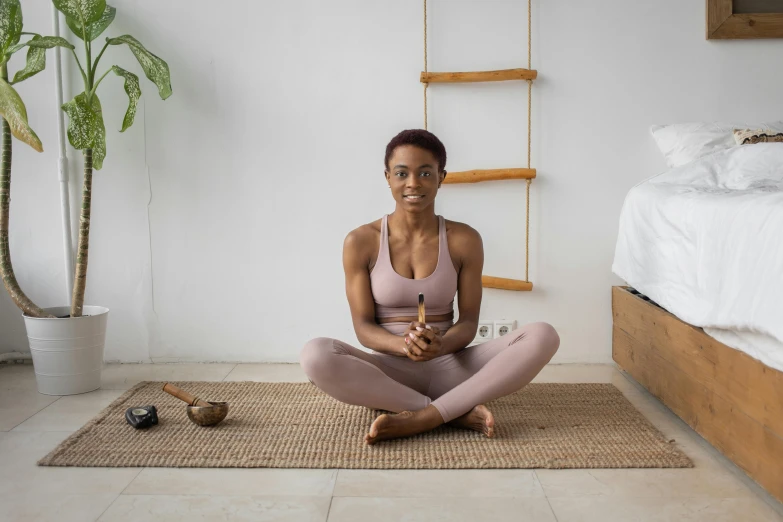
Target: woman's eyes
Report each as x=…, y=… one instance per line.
x=401, y=174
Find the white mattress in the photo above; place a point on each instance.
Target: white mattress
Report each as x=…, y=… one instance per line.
x=705, y=241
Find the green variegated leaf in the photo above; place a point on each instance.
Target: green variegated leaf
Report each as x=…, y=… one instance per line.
x=36, y=62
x=85, y=127
x=47, y=42
x=41, y=42
x=83, y=11
x=17, y=47
x=154, y=68
x=134, y=93
x=10, y=24
x=94, y=29
x=13, y=110
x=82, y=122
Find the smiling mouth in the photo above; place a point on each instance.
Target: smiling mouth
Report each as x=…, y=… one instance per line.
x=413, y=198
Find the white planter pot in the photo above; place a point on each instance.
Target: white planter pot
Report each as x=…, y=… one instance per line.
x=68, y=353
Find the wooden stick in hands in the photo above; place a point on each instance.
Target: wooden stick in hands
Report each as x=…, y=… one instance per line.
x=422, y=315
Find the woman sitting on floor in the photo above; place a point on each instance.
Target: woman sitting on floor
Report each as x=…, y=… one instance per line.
x=421, y=371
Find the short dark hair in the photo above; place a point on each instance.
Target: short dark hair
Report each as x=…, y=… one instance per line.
x=418, y=138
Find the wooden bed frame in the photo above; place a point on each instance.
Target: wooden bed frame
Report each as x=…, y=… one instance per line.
x=728, y=397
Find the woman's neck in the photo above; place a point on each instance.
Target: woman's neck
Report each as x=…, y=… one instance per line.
x=414, y=225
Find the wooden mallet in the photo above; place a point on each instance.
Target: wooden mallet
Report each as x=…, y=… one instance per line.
x=182, y=395
x=199, y=412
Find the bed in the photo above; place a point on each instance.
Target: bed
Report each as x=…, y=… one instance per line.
x=700, y=322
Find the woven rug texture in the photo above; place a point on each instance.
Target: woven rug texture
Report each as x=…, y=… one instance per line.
x=295, y=425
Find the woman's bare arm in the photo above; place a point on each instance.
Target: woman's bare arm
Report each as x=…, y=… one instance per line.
x=470, y=250
x=356, y=261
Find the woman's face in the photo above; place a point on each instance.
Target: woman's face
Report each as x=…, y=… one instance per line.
x=413, y=177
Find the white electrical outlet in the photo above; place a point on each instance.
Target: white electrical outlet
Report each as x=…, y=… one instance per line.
x=484, y=333
x=502, y=327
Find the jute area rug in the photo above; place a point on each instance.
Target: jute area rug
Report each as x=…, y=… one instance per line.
x=295, y=425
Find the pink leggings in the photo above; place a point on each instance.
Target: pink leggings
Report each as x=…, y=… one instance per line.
x=453, y=383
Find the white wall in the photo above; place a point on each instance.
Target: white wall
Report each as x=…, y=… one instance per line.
x=218, y=218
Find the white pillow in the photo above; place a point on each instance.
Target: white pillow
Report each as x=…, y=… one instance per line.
x=682, y=143
x=751, y=167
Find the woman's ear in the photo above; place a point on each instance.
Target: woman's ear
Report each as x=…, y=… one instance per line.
x=386, y=175
x=442, y=178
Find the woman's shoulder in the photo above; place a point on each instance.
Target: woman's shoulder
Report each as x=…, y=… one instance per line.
x=462, y=231
x=464, y=241
x=364, y=237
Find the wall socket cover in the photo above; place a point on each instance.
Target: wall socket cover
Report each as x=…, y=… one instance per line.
x=502, y=327
x=485, y=332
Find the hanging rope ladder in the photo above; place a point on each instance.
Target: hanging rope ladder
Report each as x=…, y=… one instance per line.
x=475, y=176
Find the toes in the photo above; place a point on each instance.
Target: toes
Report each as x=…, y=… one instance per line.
x=374, y=427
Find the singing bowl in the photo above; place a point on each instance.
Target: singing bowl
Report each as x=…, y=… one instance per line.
x=208, y=415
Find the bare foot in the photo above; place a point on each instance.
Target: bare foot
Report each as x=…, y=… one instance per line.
x=478, y=419
x=403, y=424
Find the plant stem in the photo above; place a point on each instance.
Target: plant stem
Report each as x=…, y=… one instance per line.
x=81, y=69
x=98, y=59
x=88, y=49
x=83, y=248
x=82, y=252
x=95, y=87
x=6, y=268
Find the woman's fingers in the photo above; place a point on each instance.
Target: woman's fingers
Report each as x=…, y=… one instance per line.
x=429, y=335
x=419, y=341
x=416, y=324
x=423, y=327
x=412, y=347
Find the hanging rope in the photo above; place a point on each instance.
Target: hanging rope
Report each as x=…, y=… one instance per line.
x=529, y=181
x=529, y=137
x=529, y=121
x=425, y=64
x=529, y=34
x=527, y=229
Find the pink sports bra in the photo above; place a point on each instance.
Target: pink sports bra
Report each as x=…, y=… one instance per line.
x=396, y=295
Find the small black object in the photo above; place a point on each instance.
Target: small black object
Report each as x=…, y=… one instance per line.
x=141, y=416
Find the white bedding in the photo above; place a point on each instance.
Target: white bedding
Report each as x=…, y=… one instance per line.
x=705, y=241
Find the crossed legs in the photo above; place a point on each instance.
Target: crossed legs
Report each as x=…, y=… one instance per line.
x=451, y=388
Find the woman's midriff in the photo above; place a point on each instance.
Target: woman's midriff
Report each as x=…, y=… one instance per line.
x=405, y=319
x=399, y=328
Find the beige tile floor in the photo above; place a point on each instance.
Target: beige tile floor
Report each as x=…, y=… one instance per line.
x=32, y=424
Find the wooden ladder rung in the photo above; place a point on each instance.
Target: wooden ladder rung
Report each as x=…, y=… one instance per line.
x=475, y=176
x=506, y=284
x=479, y=76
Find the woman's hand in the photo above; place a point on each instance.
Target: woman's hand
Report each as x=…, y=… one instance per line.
x=422, y=342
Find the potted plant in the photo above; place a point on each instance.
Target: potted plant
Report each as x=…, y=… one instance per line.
x=14, y=123
x=67, y=342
